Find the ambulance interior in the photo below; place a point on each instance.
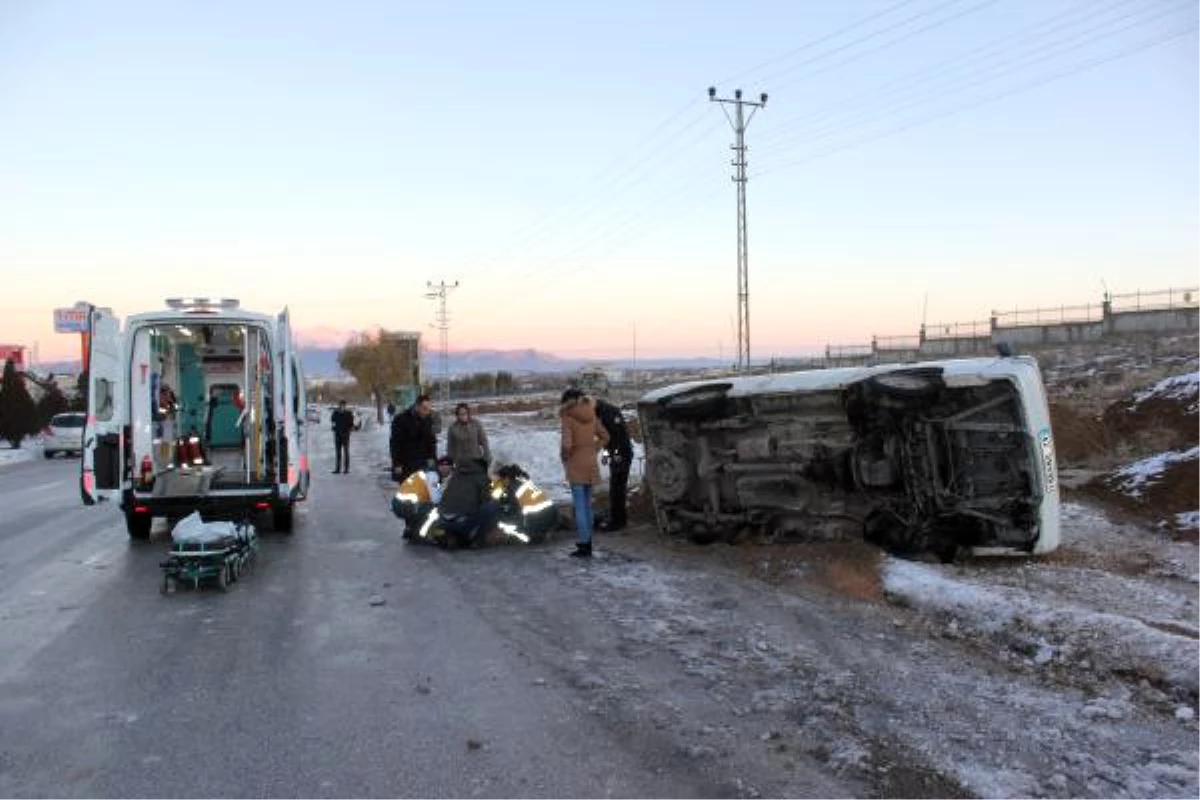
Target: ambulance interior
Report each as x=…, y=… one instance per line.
x=202, y=406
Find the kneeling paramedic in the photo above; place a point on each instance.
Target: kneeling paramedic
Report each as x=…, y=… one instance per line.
x=467, y=512
x=418, y=494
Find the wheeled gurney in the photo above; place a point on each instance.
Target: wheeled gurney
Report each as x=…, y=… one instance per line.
x=208, y=551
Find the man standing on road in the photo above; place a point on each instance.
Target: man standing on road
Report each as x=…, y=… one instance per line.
x=343, y=423
x=618, y=454
x=412, y=443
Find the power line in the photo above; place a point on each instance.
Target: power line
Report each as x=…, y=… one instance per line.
x=592, y=209
x=1081, y=67
x=812, y=43
x=632, y=233
x=620, y=222
x=947, y=83
x=938, y=70
x=777, y=77
x=604, y=181
x=594, y=198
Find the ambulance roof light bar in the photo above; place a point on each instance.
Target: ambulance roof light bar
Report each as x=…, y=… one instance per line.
x=202, y=305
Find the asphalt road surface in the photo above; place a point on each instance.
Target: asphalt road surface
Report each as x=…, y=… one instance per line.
x=346, y=664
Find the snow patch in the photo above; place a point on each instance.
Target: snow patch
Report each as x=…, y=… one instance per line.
x=1178, y=387
x=1110, y=642
x=1187, y=519
x=1133, y=478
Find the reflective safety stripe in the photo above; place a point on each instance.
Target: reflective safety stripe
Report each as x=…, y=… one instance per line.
x=511, y=530
x=433, y=515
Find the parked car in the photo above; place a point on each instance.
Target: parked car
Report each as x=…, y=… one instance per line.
x=63, y=434
x=931, y=457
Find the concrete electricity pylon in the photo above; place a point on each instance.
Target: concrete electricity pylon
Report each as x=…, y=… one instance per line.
x=739, y=121
x=438, y=292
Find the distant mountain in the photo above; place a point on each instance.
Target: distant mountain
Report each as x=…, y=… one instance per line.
x=57, y=367
x=322, y=362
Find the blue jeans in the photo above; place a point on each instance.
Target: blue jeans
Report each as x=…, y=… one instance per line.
x=581, y=498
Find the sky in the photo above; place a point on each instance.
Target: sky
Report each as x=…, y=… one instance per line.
x=561, y=165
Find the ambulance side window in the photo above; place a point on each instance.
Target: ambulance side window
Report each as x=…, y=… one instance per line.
x=104, y=399
x=295, y=391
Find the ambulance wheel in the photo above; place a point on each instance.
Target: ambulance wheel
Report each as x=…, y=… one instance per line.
x=223, y=578
x=282, y=519
x=138, y=525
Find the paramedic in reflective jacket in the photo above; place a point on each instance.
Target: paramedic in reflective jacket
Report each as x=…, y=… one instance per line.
x=418, y=494
x=619, y=454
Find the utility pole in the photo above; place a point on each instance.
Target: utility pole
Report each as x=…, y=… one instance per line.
x=438, y=292
x=739, y=121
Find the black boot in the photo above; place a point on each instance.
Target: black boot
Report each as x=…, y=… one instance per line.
x=582, y=550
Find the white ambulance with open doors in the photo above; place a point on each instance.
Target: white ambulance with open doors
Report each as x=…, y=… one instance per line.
x=198, y=407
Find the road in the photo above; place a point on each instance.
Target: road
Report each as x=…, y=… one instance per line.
x=293, y=683
x=351, y=664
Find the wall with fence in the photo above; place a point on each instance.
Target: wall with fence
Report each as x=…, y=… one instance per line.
x=1115, y=316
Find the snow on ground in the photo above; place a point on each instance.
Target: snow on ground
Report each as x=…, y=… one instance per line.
x=530, y=439
x=1133, y=478
x=1071, y=610
x=1187, y=519
x=1176, y=387
x=1074, y=611
x=29, y=448
x=1114, y=600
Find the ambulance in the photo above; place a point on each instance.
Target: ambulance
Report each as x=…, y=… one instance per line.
x=196, y=407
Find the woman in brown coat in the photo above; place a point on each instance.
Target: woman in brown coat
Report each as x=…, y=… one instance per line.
x=582, y=438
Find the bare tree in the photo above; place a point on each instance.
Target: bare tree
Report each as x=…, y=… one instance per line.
x=375, y=365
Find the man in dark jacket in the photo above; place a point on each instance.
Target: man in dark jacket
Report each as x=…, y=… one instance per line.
x=467, y=512
x=619, y=454
x=413, y=444
x=343, y=423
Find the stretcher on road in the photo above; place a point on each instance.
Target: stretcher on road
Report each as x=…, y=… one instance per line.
x=208, y=552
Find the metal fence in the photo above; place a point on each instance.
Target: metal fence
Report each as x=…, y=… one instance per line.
x=848, y=351
x=1162, y=300
x=1030, y=317
x=897, y=342
x=957, y=330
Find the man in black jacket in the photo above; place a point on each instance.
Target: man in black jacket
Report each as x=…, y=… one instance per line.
x=619, y=454
x=343, y=422
x=413, y=444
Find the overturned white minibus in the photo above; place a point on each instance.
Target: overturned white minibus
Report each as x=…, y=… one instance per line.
x=934, y=457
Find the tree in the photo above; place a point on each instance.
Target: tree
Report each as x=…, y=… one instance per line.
x=80, y=400
x=52, y=402
x=18, y=412
x=376, y=365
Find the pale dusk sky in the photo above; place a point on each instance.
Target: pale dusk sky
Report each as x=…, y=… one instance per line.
x=562, y=162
